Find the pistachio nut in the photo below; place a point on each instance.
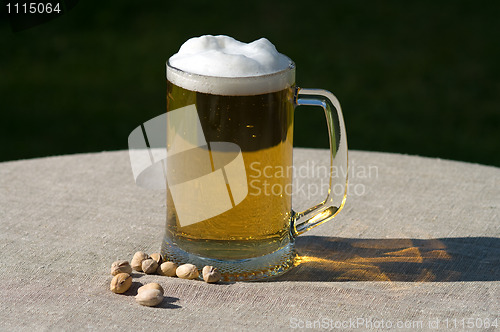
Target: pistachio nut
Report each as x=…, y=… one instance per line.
x=149, y=297
x=120, y=267
x=156, y=257
x=211, y=274
x=137, y=260
x=187, y=271
x=152, y=285
x=149, y=266
x=167, y=269
x=120, y=283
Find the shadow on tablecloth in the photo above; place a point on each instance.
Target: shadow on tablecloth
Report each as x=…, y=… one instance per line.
x=443, y=259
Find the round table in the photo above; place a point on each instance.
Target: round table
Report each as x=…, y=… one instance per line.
x=416, y=245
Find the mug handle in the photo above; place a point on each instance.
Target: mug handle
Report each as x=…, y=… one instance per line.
x=337, y=190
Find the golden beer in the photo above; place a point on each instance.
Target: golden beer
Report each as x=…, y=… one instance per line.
x=262, y=126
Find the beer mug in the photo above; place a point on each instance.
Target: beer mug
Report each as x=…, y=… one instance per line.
x=229, y=171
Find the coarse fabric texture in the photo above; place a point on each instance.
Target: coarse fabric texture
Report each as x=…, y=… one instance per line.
x=417, y=244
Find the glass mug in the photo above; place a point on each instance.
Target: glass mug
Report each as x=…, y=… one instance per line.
x=229, y=162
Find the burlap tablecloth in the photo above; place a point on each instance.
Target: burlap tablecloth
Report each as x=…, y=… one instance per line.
x=417, y=246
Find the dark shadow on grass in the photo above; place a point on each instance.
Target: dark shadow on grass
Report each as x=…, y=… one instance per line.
x=417, y=260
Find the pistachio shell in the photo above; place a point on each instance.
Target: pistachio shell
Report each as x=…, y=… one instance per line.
x=211, y=274
x=156, y=257
x=149, y=297
x=120, y=283
x=149, y=266
x=152, y=285
x=120, y=267
x=167, y=269
x=187, y=271
x=137, y=260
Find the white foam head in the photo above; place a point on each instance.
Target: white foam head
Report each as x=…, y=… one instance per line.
x=223, y=65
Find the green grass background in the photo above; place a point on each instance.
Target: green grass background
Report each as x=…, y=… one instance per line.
x=416, y=77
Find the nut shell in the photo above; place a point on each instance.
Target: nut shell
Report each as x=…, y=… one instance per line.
x=120, y=267
x=211, y=274
x=149, y=297
x=187, y=271
x=167, y=269
x=149, y=266
x=120, y=283
x=136, y=262
x=156, y=257
x=152, y=285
